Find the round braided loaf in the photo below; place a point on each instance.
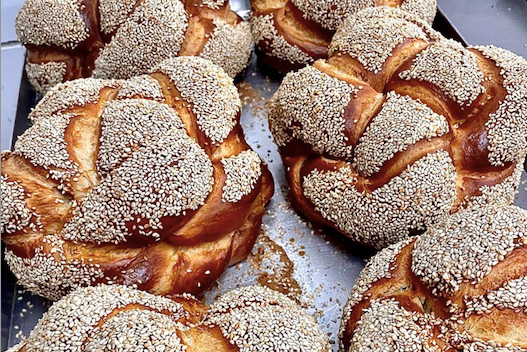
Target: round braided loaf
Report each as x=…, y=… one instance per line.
x=147, y=182
x=294, y=33
x=118, y=318
x=461, y=286
x=400, y=127
x=68, y=39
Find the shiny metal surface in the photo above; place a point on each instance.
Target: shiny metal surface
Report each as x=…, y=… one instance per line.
x=290, y=255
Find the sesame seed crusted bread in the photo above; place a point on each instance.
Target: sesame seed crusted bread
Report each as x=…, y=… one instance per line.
x=117, y=39
x=461, y=286
x=119, y=318
x=292, y=33
x=400, y=127
x=147, y=182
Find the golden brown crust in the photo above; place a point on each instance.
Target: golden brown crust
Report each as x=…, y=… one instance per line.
x=149, y=183
x=114, y=317
x=292, y=33
x=462, y=283
x=400, y=127
x=114, y=39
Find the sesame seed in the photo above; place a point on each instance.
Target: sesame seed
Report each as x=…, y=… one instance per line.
x=371, y=35
x=142, y=184
x=137, y=36
x=451, y=68
x=463, y=241
x=303, y=97
x=114, y=13
x=310, y=108
x=443, y=265
x=141, y=86
x=401, y=116
x=378, y=218
x=214, y=4
x=507, y=133
x=143, y=170
x=46, y=75
x=264, y=32
x=385, y=326
x=243, y=172
x=214, y=99
x=501, y=193
x=68, y=29
x=118, y=318
x=229, y=46
x=158, y=24
x=331, y=14
x=255, y=319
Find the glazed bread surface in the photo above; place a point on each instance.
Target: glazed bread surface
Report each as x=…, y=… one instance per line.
x=68, y=39
x=118, y=318
x=461, y=286
x=400, y=127
x=293, y=33
x=146, y=182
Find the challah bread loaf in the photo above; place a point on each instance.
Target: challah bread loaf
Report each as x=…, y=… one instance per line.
x=118, y=318
x=461, y=286
x=293, y=33
x=400, y=127
x=68, y=39
x=147, y=182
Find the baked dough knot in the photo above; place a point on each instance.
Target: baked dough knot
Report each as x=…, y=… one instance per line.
x=146, y=182
x=461, y=286
x=115, y=39
x=400, y=127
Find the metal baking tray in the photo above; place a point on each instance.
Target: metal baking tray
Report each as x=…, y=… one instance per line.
x=315, y=266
